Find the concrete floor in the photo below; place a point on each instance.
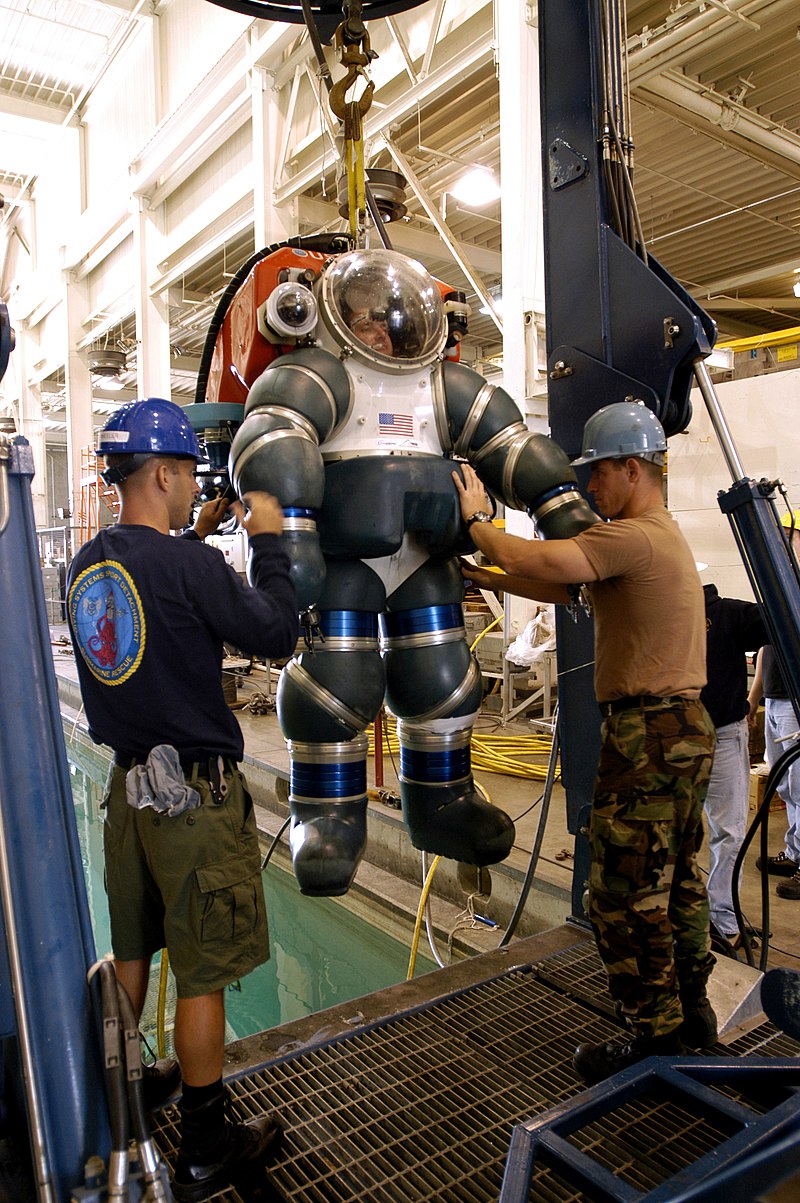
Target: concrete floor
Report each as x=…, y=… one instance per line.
x=549, y=901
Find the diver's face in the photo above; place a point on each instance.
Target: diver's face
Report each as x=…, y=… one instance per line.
x=372, y=330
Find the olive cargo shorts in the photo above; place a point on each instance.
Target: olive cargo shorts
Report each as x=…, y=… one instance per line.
x=647, y=898
x=191, y=884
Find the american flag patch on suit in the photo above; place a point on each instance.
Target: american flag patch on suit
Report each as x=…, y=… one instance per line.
x=400, y=424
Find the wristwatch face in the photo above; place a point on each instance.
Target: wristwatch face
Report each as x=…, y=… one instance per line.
x=479, y=516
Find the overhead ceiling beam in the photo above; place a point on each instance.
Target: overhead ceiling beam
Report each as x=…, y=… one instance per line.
x=743, y=279
x=735, y=327
x=655, y=50
x=316, y=214
x=445, y=233
x=26, y=111
x=702, y=108
x=739, y=304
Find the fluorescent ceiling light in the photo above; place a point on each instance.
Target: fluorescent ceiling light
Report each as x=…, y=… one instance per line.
x=498, y=307
x=478, y=186
x=796, y=288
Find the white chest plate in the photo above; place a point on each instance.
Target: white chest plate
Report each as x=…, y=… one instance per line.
x=390, y=415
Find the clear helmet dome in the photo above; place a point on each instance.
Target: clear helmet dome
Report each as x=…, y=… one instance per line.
x=385, y=307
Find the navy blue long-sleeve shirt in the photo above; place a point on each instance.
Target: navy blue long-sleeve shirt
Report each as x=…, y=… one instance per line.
x=149, y=614
x=733, y=628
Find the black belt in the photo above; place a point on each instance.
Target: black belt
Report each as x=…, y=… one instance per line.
x=208, y=764
x=639, y=703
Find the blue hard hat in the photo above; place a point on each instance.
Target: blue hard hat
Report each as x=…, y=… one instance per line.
x=627, y=428
x=152, y=427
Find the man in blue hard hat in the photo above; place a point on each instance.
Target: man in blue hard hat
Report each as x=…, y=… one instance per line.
x=149, y=615
x=647, y=901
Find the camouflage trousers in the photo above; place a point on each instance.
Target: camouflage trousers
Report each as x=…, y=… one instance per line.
x=647, y=900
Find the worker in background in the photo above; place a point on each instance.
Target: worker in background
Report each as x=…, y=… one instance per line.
x=733, y=628
x=647, y=901
x=148, y=616
x=780, y=724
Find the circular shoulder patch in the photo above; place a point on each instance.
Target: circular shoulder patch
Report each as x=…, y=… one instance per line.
x=108, y=620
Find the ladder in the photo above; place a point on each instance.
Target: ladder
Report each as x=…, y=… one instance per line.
x=99, y=504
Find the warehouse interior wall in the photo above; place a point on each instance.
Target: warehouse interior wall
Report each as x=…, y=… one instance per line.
x=761, y=413
x=206, y=136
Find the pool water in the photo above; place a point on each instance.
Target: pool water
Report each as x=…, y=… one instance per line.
x=321, y=955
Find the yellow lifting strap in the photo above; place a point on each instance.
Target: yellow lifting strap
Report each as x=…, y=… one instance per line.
x=352, y=113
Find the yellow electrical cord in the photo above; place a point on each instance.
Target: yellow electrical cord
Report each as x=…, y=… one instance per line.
x=511, y=755
x=161, y=1032
x=485, y=631
x=423, y=898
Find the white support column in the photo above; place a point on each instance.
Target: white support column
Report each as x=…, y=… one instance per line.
x=521, y=177
x=80, y=424
x=31, y=425
x=271, y=223
x=152, y=312
x=523, y=246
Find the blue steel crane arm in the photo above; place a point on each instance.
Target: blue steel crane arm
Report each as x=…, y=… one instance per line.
x=619, y=326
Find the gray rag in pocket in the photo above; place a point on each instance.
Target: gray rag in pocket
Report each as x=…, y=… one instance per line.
x=160, y=783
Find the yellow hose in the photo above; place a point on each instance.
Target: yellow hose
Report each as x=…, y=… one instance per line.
x=485, y=631
x=161, y=1033
x=508, y=754
x=423, y=898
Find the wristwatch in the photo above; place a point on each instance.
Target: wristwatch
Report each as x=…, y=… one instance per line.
x=478, y=516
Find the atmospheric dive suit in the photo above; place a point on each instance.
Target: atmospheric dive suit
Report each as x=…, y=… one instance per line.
x=355, y=434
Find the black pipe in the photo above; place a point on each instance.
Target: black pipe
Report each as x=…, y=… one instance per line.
x=760, y=821
x=537, y=843
x=274, y=843
x=140, y=1128
x=113, y=1059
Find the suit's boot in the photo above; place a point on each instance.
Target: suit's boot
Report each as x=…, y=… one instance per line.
x=443, y=811
x=434, y=686
x=327, y=844
x=455, y=822
x=216, y=1152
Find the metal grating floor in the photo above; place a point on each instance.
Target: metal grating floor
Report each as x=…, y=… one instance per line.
x=421, y=1106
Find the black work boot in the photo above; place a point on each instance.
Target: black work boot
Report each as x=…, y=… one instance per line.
x=216, y=1152
x=594, y=1062
x=699, y=1027
x=159, y=1082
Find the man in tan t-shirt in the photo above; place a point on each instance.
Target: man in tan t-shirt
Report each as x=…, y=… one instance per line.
x=647, y=901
